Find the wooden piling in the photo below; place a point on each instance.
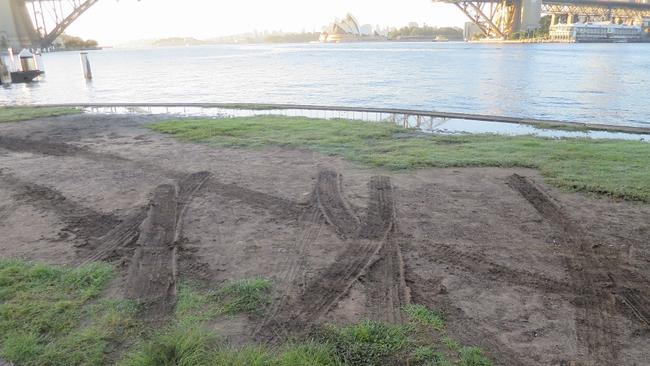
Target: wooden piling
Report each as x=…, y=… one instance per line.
x=85, y=65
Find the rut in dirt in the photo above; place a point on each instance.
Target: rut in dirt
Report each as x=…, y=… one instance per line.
x=296, y=314
x=467, y=329
x=596, y=279
x=478, y=265
x=52, y=148
x=385, y=281
x=279, y=207
x=80, y=222
x=152, y=272
x=333, y=206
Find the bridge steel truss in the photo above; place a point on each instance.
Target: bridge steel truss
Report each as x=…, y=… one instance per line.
x=52, y=17
x=487, y=15
x=630, y=13
x=496, y=18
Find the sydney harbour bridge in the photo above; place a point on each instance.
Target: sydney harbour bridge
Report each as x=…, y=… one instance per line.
x=37, y=23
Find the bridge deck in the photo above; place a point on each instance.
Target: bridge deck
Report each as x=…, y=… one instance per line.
x=594, y=3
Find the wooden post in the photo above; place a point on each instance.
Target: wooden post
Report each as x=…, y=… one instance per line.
x=85, y=65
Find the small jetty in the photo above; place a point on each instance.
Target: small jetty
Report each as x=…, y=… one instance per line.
x=22, y=69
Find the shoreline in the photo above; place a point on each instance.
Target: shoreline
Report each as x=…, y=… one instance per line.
x=542, y=123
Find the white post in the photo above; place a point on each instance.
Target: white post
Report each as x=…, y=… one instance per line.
x=5, y=74
x=85, y=65
x=12, y=61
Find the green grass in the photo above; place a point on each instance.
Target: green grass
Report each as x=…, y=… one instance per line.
x=248, y=296
x=50, y=316
x=420, y=314
x=562, y=127
x=182, y=345
x=14, y=114
x=245, y=296
x=369, y=343
x=187, y=342
x=609, y=167
x=473, y=356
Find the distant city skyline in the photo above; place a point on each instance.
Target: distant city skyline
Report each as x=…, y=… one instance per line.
x=114, y=22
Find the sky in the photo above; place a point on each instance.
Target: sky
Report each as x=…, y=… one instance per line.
x=119, y=21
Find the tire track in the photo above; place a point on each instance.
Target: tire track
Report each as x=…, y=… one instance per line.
x=380, y=214
x=80, y=220
x=385, y=280
x=481, y=266
x=45, y=147
x=152, y=273
x=386, y=285
x=150, y=278
x=335, y=209
x=124, y=235
x=295, y=315
x=310, y=223
x=634, y=299
x=466, y=329
x=280, y=207
x=595, y=326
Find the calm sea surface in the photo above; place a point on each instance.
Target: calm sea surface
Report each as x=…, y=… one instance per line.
x=600, y=83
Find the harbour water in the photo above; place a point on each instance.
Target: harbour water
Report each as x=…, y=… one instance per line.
x=597, y=83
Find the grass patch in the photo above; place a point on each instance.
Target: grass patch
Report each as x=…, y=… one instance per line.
x=248, y=296
x=369, y=343
x=578, y=127
x=187, y=342
x=422, y=315
x=473, y=356
x=15, y=114
x=181, y=345
x=245, y=296
x=52, y=315
x=192, y=346
x=610, y=167
x=42, y=309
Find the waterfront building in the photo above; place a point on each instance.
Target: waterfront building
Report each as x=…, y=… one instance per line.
x=349, y=30
x=470, y=31
x=595, y=32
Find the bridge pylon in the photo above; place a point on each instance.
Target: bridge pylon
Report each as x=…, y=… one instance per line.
x=37, y=23
x=16, y=28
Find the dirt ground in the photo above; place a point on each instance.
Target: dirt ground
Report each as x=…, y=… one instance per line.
x=532, y=275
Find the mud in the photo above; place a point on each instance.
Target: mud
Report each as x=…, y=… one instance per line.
x=297, y=315
x=152, y=274
x=533, y=275
x=80, y=221
x=594, y=277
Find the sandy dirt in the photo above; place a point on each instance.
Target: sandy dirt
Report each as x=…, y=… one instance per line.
x=533, y=275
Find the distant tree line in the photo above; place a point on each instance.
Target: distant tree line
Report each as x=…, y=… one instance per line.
x=67, y=42
x=451, y=33
x=292, y=37
x=179, y=41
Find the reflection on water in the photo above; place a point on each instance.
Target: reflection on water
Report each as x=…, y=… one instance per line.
x=423, y=123
x=597, y=83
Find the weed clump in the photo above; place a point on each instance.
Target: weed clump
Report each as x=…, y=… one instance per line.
x=368, y=342
x=420, y=314
x=245, y=296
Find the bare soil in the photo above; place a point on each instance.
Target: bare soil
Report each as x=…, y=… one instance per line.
x=533, y=275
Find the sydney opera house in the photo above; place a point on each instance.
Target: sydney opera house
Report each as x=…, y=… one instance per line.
x=349, y=30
